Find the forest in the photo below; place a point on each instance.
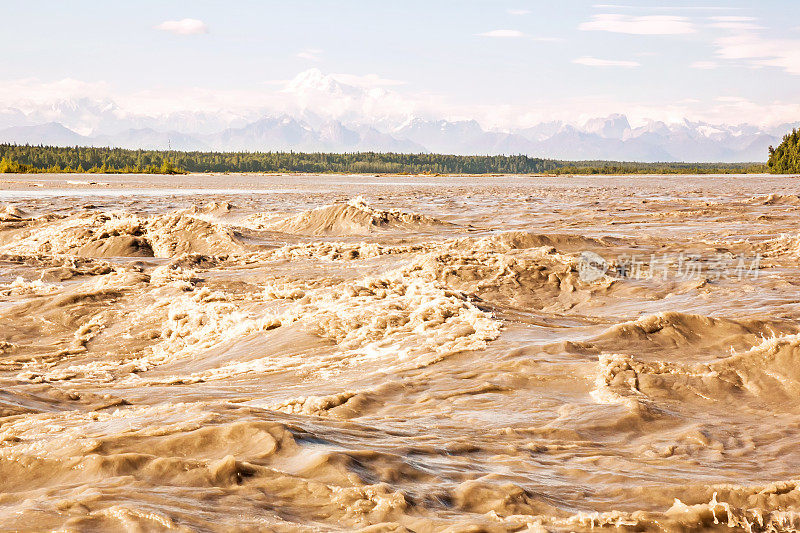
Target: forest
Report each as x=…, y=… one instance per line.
x=785, y=159
x=33, y=159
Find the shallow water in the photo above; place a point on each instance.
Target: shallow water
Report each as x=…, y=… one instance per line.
x=399, y=354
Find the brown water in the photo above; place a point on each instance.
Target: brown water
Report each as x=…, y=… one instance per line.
x=292, y=353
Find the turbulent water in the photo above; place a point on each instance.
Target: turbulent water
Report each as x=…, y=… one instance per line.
x=307, y=353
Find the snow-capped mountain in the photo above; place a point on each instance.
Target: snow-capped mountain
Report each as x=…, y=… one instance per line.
x=612, y=127
x=51, y=133
x=318, y=112
x=150, y=138
x=82, y=115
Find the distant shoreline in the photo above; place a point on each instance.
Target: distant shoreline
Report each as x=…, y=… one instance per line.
x=400, y=174
x=96, y=178
x=27, y=159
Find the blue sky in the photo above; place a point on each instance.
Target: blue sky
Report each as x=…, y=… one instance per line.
x=726, y=61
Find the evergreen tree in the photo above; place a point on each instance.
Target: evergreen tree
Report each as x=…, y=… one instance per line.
x=785, y=159
x=26, y=158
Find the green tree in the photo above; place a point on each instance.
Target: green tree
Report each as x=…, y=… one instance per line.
x=785, y=159
x=26, y=158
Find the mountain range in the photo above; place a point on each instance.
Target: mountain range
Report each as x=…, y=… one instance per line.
x=373, y=119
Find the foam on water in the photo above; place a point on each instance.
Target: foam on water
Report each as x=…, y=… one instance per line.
x=306, y=359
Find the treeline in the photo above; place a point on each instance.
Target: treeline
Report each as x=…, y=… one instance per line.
x=614, y=167
x=33, y=159
x=785, y=159
x=27, y=158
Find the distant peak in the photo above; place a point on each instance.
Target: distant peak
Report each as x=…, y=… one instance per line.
x=313, y=79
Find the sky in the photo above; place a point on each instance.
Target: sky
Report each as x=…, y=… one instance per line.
x=506, y=63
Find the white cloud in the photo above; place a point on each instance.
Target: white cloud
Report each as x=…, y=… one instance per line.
x=757, y=51
x=733, y=19
x=645, y=25
x=666, y=8
x=735, y=23
x=367, y=80
x=595, y=62
x=704, y=65
x=183, y=27
x=519, y=12
x=376, y=103
x=310, y=54
x=515, y=34
x=738, y=100
x=503, y=34
x=26, y=92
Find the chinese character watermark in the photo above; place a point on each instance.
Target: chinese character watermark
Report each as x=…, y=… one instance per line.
x=591, y=266
x=680, y=266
